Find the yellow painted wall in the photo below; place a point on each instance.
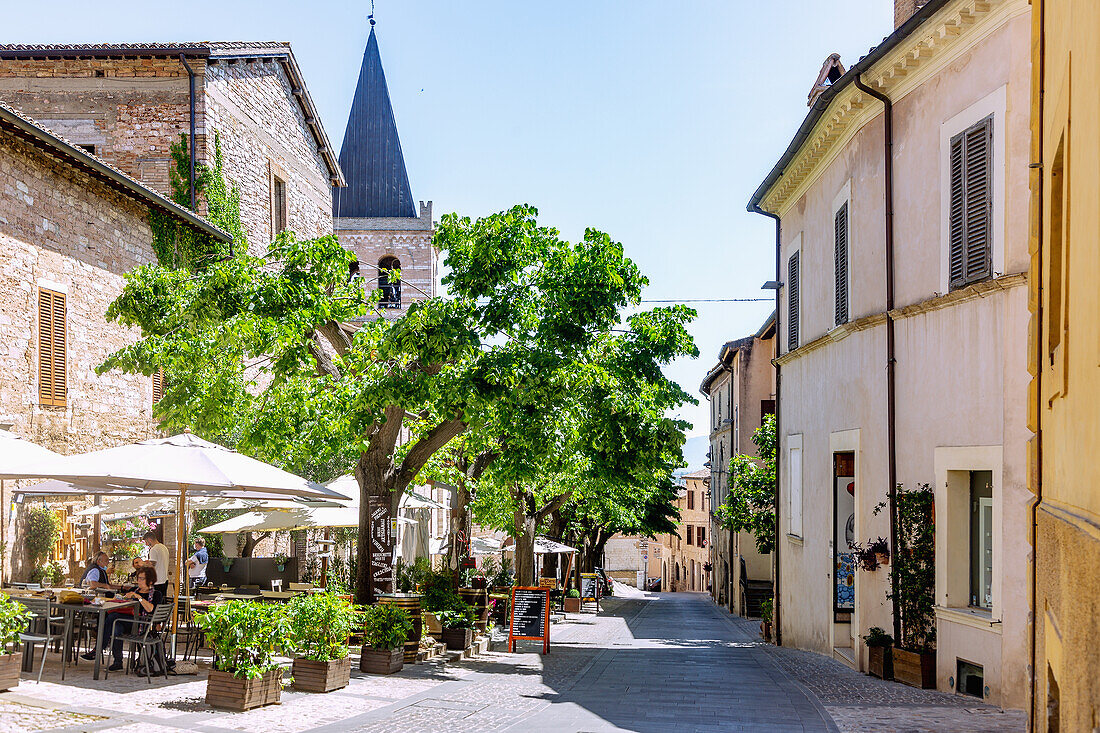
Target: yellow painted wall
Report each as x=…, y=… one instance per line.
x=1064, y=356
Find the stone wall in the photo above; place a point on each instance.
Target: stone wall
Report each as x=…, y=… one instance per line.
x=131, y=110
x=66, y=231
x=407, y=239
x=264, y=134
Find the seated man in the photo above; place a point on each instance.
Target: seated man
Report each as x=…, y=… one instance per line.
x=119, y=622
x=96, y=574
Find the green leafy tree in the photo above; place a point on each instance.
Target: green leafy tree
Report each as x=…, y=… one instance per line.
x=750, y=503
x=43, y=531
x=289, y=355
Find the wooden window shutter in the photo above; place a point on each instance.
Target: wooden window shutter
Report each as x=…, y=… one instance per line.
x=158, y=385
x=52, y=361
x=792, y=302
x=840, y=257
x=971, y=211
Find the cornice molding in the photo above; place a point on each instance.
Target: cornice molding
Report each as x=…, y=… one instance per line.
x=944, y=37
x=935, y=303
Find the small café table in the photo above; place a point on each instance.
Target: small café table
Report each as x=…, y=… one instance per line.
x=100, y=610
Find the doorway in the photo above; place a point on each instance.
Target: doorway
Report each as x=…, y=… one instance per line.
x=843, y=544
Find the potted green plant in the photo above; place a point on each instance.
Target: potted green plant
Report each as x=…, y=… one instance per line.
x=245, y=637
x=872, y=555
x=766, y=619
x=572, y=601
x=880, y=660
x=502, y=580
x=914, y=575
x=438, y=594
x=320, y=625
x=458, y=628
x=385, y=629
x=280, y=561
x=14, y=618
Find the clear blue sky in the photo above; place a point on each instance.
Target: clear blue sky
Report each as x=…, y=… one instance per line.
x=651, y=121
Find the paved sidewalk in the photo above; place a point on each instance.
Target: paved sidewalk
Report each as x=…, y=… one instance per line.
x=648, y=662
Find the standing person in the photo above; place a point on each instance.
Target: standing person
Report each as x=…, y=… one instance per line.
x=158, y=560
x=95, y=576
x=196, y=564
x=148, y=598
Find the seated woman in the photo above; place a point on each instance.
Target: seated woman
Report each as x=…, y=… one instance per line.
x=95, y=576
x=148, y=598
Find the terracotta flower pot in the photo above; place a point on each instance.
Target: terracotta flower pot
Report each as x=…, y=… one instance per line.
x=381, y=661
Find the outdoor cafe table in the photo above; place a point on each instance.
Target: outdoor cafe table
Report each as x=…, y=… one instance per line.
x=100, y=611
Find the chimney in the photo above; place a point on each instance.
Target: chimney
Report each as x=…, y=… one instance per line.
x=904, y=10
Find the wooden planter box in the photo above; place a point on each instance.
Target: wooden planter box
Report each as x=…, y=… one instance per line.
x=223, y=690
x=381, y=661
x=915, y=669
x=458, y=638
x=880, y=662
x=313, y=676
x=765, y=631
x=10, y=665
x=572, y=605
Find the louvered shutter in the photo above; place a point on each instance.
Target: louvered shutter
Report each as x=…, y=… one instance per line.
x=840, y=257
x=971, y=211
x=158, y=385
x=52, y=361
x=792, y=302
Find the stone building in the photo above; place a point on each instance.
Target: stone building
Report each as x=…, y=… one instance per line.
x=741, y=392
x=625, y=556
x=375, y=216
x=902, y=339
x=1063, y=401
x=70, y=227
x=128, y=103
x=684, y=555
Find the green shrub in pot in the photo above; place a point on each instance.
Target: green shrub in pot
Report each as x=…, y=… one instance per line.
x=320, y=625
x=456, y=619
x=385, y=626
x=246, y=636
x=14, y=618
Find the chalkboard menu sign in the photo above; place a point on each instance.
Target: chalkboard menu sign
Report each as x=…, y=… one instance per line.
x=590, y=587
x=530, y=617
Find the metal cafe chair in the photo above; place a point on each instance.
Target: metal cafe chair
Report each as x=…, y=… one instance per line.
x=146, y=642
x=41, y=608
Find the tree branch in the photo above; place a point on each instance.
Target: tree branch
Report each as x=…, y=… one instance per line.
x=555, y=504
x=334, y=334
x=423, y=449
x=326, y=367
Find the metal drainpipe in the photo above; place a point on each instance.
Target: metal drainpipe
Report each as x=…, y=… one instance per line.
x=191, y=89
x=891, y=434
x=776, y=604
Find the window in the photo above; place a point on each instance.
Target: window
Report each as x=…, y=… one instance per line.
x=792, y=302
x=52, y=362
x=767, y=407
x=691, y=500
x=158, y=385
x=278, y=205
x=794, y=493
x=389, y=282
x=690, y=534
x=971, y=678
x=981, y=539
x=701, y=536
x=971, y=205
x=840, y=258
x=89, y=147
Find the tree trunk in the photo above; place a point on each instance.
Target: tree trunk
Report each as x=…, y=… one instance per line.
x=460, y=522
x=376, y=510
x=525, y=527
x=250, y=542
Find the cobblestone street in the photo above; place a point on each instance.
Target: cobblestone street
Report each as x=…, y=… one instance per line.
x=661, y=662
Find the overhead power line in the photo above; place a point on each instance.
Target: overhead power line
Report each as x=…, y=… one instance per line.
x=713, y=300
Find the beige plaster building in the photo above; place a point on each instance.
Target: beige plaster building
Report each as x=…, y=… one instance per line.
x=903, y=321
x=127, y=103
x=741, y=392
x=684, y=555
x=1064, y=395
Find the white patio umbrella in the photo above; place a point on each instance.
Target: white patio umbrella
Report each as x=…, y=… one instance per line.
x=544, y=546
x=347, y=484
x=181, y=466
x=132, y=506
x=484, y=546
x=20, y=458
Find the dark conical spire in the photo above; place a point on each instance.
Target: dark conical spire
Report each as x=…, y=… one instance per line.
x=378, y=184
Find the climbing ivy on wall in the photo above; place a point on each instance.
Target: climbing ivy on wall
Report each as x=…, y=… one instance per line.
x=179, y=246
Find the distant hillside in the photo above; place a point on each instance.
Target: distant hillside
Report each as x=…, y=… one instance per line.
x=695, y=453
